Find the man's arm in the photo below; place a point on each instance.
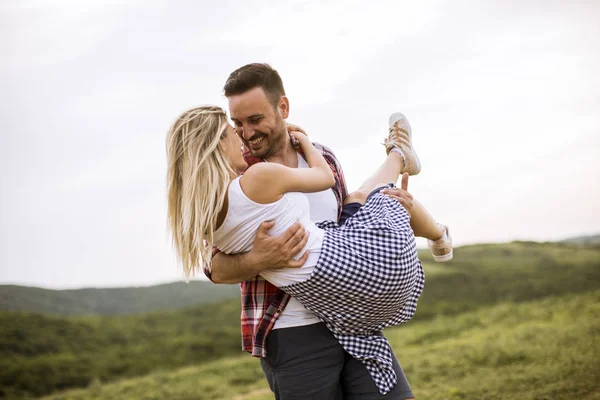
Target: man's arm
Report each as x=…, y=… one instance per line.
x=268, y=252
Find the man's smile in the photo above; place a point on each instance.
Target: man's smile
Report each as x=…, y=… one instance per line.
x=256, y=141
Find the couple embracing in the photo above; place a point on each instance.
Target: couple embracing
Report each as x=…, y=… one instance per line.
x=322, y=271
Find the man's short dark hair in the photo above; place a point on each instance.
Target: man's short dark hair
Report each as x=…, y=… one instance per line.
x=255, y=75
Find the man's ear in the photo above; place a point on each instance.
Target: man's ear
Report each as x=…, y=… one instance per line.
x=284, y=107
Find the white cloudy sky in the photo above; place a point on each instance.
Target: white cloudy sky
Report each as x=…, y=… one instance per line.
x=503, y=97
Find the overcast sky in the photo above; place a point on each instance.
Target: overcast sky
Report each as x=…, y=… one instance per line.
x=503, y=98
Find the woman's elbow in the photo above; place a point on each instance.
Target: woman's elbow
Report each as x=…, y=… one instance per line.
x=330, y=179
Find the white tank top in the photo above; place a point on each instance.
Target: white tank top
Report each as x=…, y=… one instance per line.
x=238, y=231
x=323, y=206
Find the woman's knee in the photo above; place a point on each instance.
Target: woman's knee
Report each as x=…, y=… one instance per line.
x=358, y=196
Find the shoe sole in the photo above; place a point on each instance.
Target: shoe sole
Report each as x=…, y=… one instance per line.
x=396, y=117
x=444, y=258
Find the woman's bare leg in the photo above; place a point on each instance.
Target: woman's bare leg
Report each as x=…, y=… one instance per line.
x=402, y=158
x=423, y=224
x=421, y=221
x=387, y=172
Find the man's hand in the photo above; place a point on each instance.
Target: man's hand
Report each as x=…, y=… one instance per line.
x=275, y=252
x=269, y=252
x=401, y=194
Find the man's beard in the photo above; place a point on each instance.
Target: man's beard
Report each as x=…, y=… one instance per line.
x=275, y=144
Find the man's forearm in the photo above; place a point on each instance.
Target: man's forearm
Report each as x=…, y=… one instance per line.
x=233, y=268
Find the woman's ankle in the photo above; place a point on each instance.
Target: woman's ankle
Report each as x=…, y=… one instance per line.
x=439, y=234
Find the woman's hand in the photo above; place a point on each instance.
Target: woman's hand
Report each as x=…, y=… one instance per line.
x=294, y=128
x=296, y=134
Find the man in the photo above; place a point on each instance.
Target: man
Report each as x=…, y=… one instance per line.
x=300, y=358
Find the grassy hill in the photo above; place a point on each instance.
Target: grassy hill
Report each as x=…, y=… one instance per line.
x=487, y=274
x=589, y=240
x=41, y=353
x=112, y=301
x=480, y=300
x=545, y=349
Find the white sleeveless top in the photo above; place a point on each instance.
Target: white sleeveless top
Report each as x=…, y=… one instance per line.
x=238, y=231
x=323, y=206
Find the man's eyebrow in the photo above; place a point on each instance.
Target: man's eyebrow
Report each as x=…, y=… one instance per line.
x=253, y=116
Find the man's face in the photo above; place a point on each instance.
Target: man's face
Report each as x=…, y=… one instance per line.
x=261, y=127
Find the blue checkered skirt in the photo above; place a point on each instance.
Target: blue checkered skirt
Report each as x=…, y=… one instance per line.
x=368, y=277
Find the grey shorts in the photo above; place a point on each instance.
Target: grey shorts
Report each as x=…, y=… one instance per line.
x=308, y=363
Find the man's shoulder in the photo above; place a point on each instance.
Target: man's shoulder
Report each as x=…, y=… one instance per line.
x=324, y=149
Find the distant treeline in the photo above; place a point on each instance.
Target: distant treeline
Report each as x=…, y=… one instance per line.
x=113, y=301
x=40, y=354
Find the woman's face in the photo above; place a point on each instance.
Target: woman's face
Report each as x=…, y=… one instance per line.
x=232, y=145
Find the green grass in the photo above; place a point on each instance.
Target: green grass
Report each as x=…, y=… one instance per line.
x=547, y=349
x=40, y=354
x=483, y=275
x=541, y=350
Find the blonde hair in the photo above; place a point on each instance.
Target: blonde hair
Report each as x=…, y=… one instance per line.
x=198, y=176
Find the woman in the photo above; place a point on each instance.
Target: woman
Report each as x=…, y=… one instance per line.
x=362, y=274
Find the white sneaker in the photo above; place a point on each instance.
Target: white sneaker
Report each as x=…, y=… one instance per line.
x=400, y=140
x=441, y=249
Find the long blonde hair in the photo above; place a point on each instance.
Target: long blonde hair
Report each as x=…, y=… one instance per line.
x=198, y=176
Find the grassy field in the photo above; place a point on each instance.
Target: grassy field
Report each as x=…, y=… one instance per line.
x=516, y=318
x=542, y=350
x=42, y=353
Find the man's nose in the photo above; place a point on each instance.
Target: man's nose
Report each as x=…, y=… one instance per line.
x=247, y=132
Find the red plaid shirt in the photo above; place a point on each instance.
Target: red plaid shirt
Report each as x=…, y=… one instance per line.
x=262, y=302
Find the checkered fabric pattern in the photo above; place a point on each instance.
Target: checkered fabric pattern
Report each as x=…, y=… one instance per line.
x=368, y=278
x=262, y=302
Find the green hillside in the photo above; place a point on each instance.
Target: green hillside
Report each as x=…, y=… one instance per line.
x=112, y=301
x=491, y=273
x=41, y=354
x=545, y=349
x=588, y=240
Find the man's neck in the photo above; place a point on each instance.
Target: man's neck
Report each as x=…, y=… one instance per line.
x=287, y=156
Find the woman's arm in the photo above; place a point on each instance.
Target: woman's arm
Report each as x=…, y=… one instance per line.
x=266, y=182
